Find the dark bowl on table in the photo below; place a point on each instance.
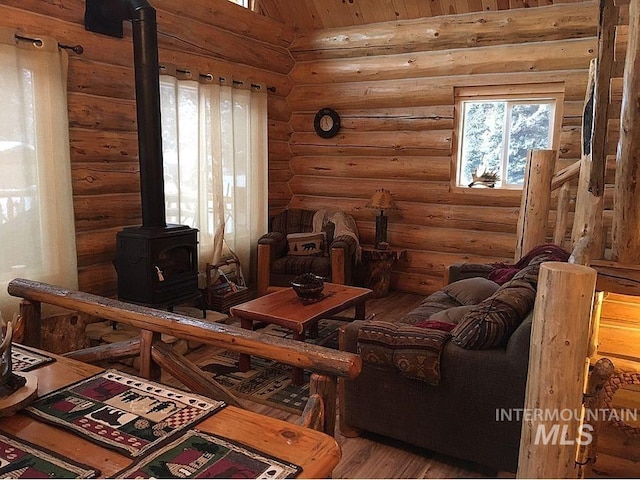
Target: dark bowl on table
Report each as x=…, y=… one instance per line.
x=308, y=286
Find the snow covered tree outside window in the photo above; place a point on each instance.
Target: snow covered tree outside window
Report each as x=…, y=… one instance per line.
x=496, y=134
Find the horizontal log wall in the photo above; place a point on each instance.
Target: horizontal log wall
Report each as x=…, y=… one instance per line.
x=211, y=35
x=393, y=85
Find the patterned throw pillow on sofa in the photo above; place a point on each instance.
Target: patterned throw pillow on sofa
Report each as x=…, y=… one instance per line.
x=412, y=350
x=490, y=323
x=306, y=243
x=471, y=291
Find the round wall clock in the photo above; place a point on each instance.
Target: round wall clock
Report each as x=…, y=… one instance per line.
x=326, y=122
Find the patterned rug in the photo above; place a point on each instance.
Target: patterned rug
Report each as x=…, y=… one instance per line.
x=24, y=359
x=123, y=412
x=202, y=455
x=269, y=382
x=20, y=459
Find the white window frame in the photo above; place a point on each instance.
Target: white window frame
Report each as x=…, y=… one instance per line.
x=513, y=95
x=242, y=3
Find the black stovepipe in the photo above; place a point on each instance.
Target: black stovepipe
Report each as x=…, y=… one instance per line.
x=145, y=52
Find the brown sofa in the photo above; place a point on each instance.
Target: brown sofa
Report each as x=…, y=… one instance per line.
x=456, y=417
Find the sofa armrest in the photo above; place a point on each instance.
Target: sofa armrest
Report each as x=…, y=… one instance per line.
x=349, y=336
x=460, y=271
x=346, y=242
x=519, y=343
x=278, y=243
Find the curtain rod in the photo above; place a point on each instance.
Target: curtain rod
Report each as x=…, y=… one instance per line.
x=38, y=42
x=211, y=77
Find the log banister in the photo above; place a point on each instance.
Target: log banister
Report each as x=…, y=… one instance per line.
x=565, y=175
x=322, y=360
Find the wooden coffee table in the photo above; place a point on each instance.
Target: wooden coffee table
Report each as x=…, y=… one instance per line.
x=285, y=309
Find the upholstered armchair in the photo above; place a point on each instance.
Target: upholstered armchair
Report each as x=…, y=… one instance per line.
x=299, y=241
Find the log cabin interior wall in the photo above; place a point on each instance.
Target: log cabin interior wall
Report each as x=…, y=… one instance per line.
x=214, y=37
x=393, y=84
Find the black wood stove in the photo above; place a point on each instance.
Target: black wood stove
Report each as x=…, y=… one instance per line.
x=157, y=264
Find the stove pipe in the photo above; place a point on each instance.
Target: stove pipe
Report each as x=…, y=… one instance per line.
x=145, y=51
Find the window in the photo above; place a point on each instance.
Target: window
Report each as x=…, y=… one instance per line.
x=242, y=3
x=215, y=164
x=36, y=208
x=495, y=132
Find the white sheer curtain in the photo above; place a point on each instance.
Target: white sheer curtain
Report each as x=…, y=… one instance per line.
x=215, y=165
x=37, y=234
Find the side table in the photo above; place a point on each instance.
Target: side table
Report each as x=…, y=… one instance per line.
x=377, y=266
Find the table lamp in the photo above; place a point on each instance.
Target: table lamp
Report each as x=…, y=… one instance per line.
x=381, y=200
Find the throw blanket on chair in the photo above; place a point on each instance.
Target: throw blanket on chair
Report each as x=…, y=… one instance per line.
x=344, y=225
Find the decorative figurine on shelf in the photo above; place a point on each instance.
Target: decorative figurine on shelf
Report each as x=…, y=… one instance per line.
x=9, y=381
x=487, y=179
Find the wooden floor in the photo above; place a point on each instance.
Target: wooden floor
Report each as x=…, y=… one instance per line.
x=371, y=456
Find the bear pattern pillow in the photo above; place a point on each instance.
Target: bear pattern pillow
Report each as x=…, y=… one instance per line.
x=306, y=243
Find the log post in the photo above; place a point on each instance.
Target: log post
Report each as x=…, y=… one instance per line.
x=587, y=221
x=556, y=377
x=346, y=430
x=326, y=387
x=606, y=42
x=594, y=327
x=313, y=414
x=562, y=215
x=536, y=197
x=148, y=367
x=626, y=214
x=31, y=313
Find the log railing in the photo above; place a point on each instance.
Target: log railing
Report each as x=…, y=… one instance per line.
x=326, y=364
x=536, y=196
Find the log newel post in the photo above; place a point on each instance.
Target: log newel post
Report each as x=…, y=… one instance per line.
x=556, y=376
x=31, y=313
x=536, y=197
x=626, y=215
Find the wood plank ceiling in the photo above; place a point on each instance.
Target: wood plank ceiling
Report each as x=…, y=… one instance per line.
x=319, y=14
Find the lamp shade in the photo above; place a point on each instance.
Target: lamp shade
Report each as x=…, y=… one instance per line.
x=382, y=200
